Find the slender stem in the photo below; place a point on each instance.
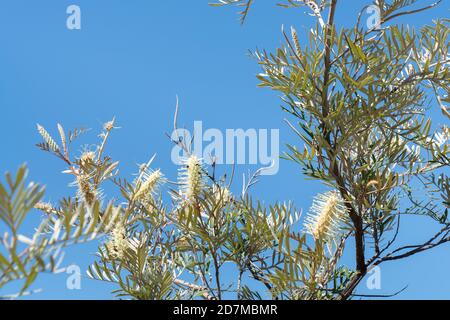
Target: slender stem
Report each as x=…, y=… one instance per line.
x=239, y=284
x=217, y=275
x=327, y=57
x=193, y=287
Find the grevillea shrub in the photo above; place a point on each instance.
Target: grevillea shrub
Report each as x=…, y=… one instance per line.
x=359, y=100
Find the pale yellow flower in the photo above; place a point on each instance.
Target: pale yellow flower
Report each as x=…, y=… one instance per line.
x=87, y=157
x=85, y=190
x=326, y=215
x=148, y=184
x=191, y=178
x=118, y=243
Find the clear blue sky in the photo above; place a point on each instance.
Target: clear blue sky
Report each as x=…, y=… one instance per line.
x=130, y=60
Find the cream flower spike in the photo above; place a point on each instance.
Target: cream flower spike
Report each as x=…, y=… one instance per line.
x=118, y=243
x=85, y=189
x=326, y=214
x=150, y=180
x=191, y=178
x=222, y=194
x=87, y=157
x=45, y=207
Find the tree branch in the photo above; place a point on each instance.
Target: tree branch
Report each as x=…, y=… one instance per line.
x=443, y=234
x=412, y=11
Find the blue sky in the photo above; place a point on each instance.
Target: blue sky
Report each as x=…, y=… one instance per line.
x=130, y=60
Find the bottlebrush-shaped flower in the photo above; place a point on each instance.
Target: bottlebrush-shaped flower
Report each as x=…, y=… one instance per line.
x=326, y=215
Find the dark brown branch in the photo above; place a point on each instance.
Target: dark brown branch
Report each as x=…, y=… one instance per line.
x=443, y=234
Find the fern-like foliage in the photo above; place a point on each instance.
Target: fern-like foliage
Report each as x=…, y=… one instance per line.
x=22, y=256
